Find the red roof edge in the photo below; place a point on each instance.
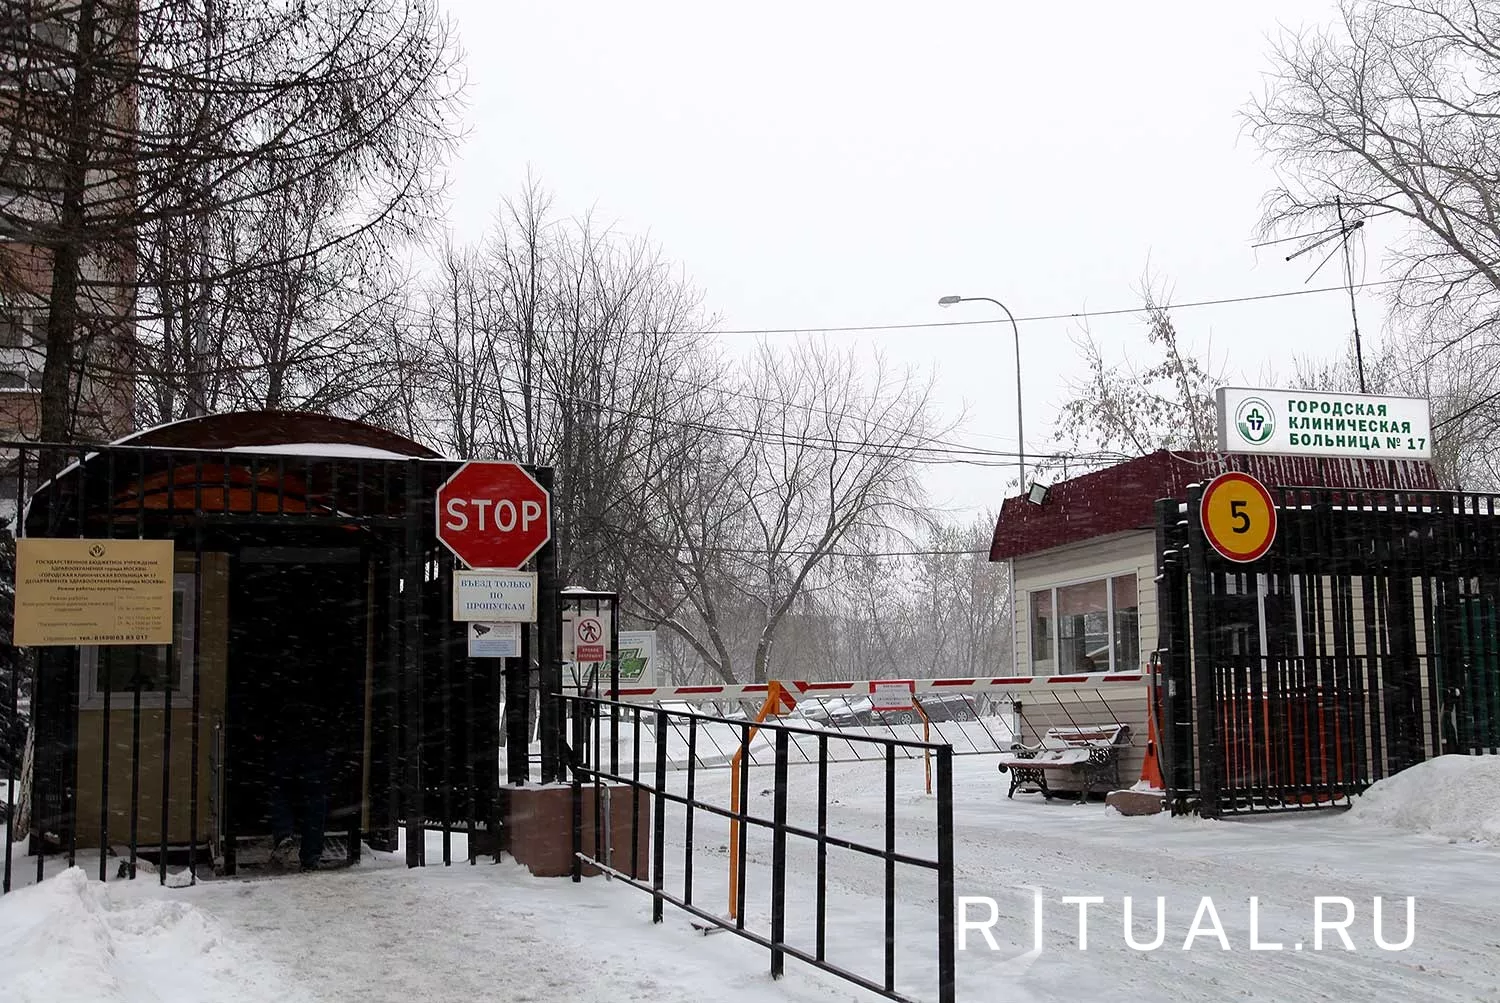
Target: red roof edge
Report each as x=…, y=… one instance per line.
x=1123, y=497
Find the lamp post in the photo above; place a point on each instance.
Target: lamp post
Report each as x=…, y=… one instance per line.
x=1020, y=430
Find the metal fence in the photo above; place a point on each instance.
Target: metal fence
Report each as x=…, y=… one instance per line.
x=1364, y=642
x=641, y=768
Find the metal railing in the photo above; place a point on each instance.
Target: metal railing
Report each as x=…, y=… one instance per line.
x=599, y=766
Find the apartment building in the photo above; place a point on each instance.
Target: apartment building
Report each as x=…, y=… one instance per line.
x=37, y=81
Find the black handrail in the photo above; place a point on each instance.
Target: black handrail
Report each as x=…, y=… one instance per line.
x=596, y=767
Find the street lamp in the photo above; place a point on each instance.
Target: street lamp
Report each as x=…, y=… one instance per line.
x=1020, y=433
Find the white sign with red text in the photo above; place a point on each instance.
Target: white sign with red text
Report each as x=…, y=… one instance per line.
x=586, y=636
x=891, y=694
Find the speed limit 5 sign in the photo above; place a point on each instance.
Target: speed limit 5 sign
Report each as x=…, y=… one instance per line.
x=1238, y=516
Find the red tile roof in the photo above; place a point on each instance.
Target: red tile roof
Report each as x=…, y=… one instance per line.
x=1123, y=497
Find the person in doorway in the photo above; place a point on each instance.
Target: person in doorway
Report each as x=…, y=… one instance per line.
x=299, y=784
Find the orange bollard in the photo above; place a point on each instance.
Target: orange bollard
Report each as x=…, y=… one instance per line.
x=926, y=737
x=775, y=697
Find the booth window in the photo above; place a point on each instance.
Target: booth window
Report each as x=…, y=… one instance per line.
x=117, y=669
x=1091, y=626
x=1041, y=627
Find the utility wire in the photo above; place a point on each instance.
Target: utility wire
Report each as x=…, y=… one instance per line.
x=751, y=552
x=1466, y=411
x=985, y=322
x=931, y=455
x=701, y=385
x=958, y=449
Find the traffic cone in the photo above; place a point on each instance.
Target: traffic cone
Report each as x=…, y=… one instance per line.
x=1151, y=768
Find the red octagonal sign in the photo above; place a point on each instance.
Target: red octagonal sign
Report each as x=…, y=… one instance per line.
x=493, y=514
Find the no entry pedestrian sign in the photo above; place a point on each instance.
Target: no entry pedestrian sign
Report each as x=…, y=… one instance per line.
x=589, y=640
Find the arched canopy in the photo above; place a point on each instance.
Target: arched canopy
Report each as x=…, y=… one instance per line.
x=306, y=430
x=289, y=465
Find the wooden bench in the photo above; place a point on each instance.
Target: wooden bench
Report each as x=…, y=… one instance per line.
x=1091, y=753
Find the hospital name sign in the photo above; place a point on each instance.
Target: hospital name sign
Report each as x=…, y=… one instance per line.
x=1311, y=423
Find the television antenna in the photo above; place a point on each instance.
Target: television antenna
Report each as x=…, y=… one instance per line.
x=1340, y=233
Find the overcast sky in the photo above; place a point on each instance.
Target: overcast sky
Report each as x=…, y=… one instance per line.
x=822, y=164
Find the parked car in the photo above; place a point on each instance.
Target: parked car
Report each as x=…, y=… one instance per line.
x=843, y=712
x=938, y=706
x=834, y=712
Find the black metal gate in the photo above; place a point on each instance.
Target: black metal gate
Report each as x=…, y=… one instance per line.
x=1365, y=641
x=305, y=561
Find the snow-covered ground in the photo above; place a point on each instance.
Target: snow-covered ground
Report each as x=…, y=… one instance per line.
x=1454, y=796
x=379, y=932
x=1006, y=848
x=373, y=933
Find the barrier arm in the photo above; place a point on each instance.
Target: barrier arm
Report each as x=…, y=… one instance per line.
x=776, y=697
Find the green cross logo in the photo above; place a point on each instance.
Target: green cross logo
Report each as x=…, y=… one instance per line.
x=1254, y=420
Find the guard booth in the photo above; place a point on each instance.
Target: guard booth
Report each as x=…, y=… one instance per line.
x=303, y=556
x=1361, y=640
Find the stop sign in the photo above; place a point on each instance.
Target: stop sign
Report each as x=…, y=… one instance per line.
x=493, y=514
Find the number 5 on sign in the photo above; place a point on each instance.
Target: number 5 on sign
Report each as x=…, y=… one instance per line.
x=1238, y=516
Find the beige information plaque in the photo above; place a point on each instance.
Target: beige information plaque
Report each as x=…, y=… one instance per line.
x=93, y=591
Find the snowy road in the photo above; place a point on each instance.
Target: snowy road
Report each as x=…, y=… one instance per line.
x=1065, y=849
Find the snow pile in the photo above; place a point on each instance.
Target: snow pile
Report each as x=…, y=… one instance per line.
x=71, y=938
x=1453, y=796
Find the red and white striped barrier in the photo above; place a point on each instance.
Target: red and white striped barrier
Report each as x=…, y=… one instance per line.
x=864, y=687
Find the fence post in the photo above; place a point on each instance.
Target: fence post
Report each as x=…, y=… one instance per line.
x=822, y=844
x=659, y=837
x=778, y=859
x=737, y=849
x=413, y=571
x=1174, y=735
x=1210, y=752
x=947, y=957
x=549, y=648
x=890, y=867
x=687, y=821
x=578, y=809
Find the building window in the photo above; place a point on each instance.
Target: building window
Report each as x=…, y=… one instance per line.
x=1126, y=623
x=22, y=326
x=117, y=669
x=15, y=328
x=1041, y=627
x=1091, y=626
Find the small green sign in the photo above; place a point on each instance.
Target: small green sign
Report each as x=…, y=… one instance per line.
x=637, y=655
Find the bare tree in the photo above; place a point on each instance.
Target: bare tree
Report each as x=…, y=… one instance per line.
x=814, y=455
x=1460, y=383
x=1127, y=410
x=562, y=343
x=1392, y=111
x=207, y=179
x=974, y=592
